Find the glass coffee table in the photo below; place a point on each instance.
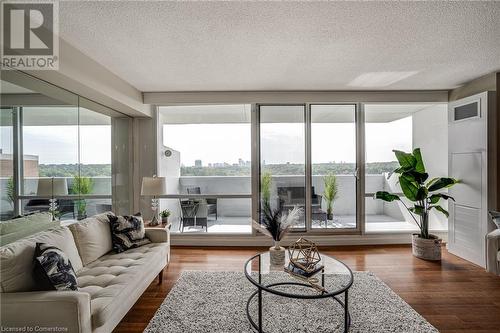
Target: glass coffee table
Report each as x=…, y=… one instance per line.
x=274, y=280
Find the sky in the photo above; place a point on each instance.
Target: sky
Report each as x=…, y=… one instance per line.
x=282, y=143
x=59, y=144
x=217, y=143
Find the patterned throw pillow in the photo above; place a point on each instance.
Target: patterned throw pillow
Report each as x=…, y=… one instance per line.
x=53, y=270
x=127, y=232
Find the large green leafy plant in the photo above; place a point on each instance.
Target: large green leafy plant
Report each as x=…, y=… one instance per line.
x=423, y=193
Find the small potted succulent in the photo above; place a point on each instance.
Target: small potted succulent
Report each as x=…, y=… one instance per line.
x=164, y=215
x=425, y=196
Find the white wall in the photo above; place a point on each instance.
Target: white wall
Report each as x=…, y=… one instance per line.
x=145, y=161
x=169, y=167
x=430, y=134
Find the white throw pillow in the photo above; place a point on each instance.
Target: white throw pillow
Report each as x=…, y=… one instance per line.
x=92, y=238
x=16, y=259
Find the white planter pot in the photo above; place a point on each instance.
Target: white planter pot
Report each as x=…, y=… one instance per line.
x=277, y=255
x=427, y=249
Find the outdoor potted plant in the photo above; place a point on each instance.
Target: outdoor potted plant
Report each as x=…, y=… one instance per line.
x=82, y=186
x=164, y=215
x=330, y=193
x=265, y=186
x=424, y=195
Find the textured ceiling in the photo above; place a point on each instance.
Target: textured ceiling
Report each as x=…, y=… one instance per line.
x=192, y=46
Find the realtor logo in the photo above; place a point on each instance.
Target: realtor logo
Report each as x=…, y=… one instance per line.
x=30, y=35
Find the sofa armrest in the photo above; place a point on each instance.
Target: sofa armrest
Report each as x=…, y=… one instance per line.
x=67, y=311
x=492, y=248
x=157, y=235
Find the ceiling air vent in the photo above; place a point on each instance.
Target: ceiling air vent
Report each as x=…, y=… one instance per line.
x=466, y=111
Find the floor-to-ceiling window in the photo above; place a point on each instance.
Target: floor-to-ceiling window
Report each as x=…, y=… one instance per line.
x=306, y=155
x=7, y=200
x=69, y=147
x=403, y=126
x=94, y=161
x=206, y=157
x=56, y=148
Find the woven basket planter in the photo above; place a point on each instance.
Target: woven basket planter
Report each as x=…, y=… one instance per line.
x=427, y=249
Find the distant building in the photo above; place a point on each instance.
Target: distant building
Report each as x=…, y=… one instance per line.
x=241, y=162
x=7, y=165
x=197, y=163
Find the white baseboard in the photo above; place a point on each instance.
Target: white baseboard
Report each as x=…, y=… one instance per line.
x=321, y=240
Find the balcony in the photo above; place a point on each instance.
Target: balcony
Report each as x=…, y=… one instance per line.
x=98, y=201
x=234, y=214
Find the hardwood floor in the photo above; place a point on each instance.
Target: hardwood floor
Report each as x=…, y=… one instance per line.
x=453, y=295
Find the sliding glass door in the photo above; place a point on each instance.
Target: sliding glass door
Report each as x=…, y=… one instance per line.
x=334, y=167
x=308, y=159
x=283, y=158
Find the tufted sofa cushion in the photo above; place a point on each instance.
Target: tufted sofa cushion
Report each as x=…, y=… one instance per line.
x=112, y=279
x=16, y=259
x=92, y=237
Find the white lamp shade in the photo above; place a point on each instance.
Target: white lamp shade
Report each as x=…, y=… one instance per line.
x=52, y=187
x=154, y=186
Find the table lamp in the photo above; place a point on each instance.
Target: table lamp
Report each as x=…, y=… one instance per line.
x=154, y=186
x=51, y=187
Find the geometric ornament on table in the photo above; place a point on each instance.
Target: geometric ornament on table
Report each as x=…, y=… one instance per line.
x=304, y=254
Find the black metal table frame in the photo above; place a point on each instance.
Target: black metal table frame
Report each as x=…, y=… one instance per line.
x=268, y=288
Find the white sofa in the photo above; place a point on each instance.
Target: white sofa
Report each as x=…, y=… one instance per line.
x=493, y=252
x=108, y=284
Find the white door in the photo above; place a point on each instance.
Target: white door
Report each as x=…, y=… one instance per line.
x=467, y=138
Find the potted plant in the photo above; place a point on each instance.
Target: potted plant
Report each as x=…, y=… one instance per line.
x=265, y=186
x=10, y=191
x=425, y=196
x=330, y=193
x=276, y=224
x=164, y=215
x=82, y=186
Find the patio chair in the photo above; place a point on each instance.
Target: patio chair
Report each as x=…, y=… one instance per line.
x=289, y=196
x=210, y=202
x=188, y=214
x=193, y=213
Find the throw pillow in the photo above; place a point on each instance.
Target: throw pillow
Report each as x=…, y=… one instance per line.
x=53, y=270
x=127, y=232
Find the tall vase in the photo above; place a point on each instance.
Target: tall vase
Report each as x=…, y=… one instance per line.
x=277, y=254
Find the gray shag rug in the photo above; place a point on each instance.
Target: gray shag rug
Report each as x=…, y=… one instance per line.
x=216, y=302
